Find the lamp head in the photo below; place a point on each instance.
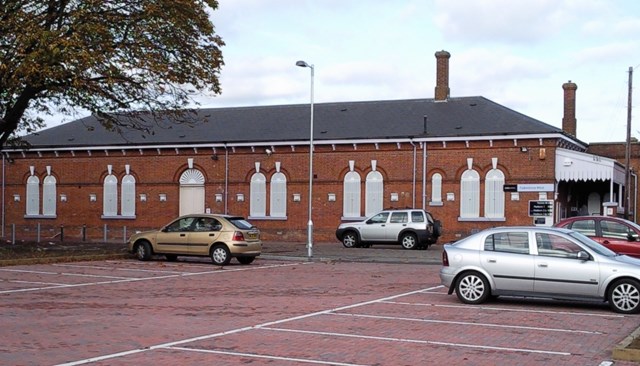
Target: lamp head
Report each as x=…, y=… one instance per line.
x=302, y=64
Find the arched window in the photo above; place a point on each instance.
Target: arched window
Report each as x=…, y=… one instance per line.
x=192, y=192
x=49, y=196
x=33, y=196
x=494, y=194
x=351, y=204
x=110, y=196
x=258, y=192
x=374, y=193
x=470, y=194
x=436, y=188
x=278, y=204
x=128, y=203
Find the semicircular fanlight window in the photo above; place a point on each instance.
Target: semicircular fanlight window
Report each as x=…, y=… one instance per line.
x=192, y=177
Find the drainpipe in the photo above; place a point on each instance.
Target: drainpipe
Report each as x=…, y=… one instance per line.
x=635, y=195
x=226, y=178
x=3, y=178
x=413, y=180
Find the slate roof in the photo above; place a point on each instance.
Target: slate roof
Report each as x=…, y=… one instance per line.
x=377, y=120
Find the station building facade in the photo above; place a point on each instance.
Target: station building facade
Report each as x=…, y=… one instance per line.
x=471, y=162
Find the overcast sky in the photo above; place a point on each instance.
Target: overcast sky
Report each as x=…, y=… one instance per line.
x=515, y=53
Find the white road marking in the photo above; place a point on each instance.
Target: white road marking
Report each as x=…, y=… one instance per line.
x=117, y=268
x=37, y=282
x=233, y=331
x=488, y=325
x=125, y=279
x=419, y=341
x=254, y=355
x=515, y=310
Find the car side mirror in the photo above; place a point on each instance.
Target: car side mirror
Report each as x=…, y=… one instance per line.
x=583, y=256
x=164, y=229
x=369, y=222
x=632, y=237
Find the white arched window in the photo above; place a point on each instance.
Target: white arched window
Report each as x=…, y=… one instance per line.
x=33, y=196
x=128, y=203
x=49, y=196
x=192, y=192
x=110, y=196
x=494, y=194
x=258, y=192
x=436, y=188
x=374, y=193
x=470, y=194
x=278, y=199
x=351, y=204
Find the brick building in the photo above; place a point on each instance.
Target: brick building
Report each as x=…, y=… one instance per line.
x=473, y=163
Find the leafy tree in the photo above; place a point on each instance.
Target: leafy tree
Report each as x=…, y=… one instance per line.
x=105, y=57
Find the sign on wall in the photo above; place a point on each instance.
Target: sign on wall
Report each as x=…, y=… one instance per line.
x=542, y=208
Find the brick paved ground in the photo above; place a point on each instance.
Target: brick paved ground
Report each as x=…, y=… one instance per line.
x=372, y=306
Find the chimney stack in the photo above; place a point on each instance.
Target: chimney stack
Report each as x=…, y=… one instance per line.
x=569, y=119
x=442, y=75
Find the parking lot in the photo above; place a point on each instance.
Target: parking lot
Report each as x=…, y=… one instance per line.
x=284, y=312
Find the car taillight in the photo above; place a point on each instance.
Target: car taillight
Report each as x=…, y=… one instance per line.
x=237, y=236
x=445, y=258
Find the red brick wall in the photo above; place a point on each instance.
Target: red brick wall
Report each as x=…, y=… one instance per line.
x=81, y=175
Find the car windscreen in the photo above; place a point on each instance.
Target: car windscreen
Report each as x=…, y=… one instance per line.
x=240, y=223
x=592, y=244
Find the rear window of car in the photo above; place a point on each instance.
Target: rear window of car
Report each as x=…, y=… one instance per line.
x=240, y=223
x=510, y=242
x=417, y=216
x=399, y=217
x=584, y=227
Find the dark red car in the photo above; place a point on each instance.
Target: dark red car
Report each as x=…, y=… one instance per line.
x=620, y=235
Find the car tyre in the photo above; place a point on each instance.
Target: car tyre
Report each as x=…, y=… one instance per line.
x=143, y=251
x=409, y=241
x=350, y=239
x=472, y=288
x=220, y=255
x=246, y=260
x=624, y=296
x=171, y=257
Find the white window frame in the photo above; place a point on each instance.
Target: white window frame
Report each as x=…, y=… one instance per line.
x=110, y=196
x=33, y=196
x=351, y=195
x=374, y=193
x=49, y=198
x=128, y=198
x=436, y=189
x=470, y=195
x=494, y=196
x=278, y=197
x=258, y=196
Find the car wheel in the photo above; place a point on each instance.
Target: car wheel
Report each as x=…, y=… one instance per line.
x=409, y=241
x=171, y=257
x=350, y=239
x=472, y=288
x=624, y=296
x=143, y=251
x=220, y=255
x=246, y=260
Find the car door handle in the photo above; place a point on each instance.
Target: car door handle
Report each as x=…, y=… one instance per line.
x=183, y=234
x=492, y=261
x=605, y=242
x=543, y=265
x=212, y=234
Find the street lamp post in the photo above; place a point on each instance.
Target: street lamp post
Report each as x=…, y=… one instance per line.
x=310, y=224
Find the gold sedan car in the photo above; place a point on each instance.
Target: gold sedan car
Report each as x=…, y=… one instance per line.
x=220, y=237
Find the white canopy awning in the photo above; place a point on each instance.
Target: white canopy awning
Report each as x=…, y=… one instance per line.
x=575, y=166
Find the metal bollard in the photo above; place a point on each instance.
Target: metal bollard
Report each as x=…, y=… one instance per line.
x=124, y=233
x=84, y=232
x=13, y=233
x=38, y=232
x=61, y=233
x=105, y=233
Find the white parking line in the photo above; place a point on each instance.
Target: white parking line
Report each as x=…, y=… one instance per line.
x=419, y=341
x=62, y=273
x=233, y=331
x=36, y=282
x=254, y=355
x=125, y=279
x=506, y=309
x=488, y=325
x=116, y=268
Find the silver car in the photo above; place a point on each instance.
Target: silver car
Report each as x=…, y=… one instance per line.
x=540, y=262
